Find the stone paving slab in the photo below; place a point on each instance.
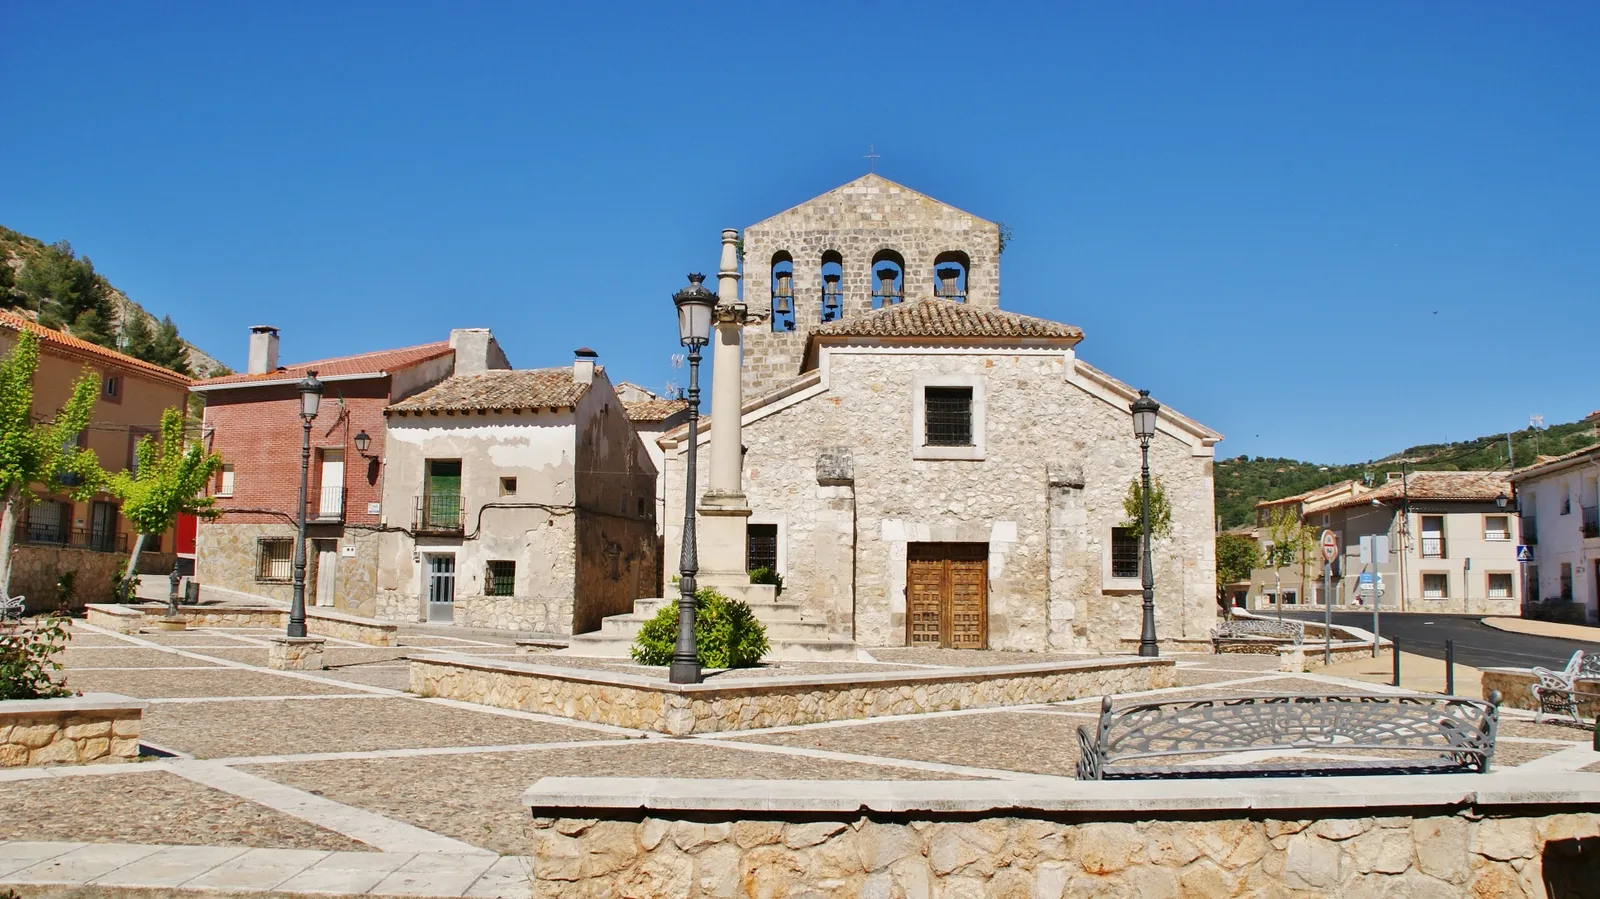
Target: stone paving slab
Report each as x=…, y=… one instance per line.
x=1551, y=729
x=393, y=677
x=155, y=806
x=288, y=727
x=201, y=682
x=971, y=658
x=1509, y=755
x=131, y=657
x=474, y=798
x=771, y=669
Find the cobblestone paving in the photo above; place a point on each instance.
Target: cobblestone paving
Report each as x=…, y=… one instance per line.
x=151, y=807
x=476, y=798
x=1524, y=727
x=970, y=658
x=111, y=657
x=1507, y=755
x=394, y=677
x=1236, y=661
x=292, y=727
x=771, y=669
x=198, y=683
x=1195, y=676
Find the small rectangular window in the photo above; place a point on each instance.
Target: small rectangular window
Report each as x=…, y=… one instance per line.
x=1124, y=552
x=1496, y=528
x=1435, y=586
x=948, y=416
x=761, y=547
x=1291, y=597
x=1499, y=586
x=508, y=486
x=225, y=481
x=112, y=386
x=274, y=558
x=500, y=579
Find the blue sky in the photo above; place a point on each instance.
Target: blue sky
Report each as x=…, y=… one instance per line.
x=1329, y=231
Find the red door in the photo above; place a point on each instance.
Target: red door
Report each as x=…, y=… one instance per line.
x=185, y=534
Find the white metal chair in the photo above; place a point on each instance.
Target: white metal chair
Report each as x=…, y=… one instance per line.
x=1554, y=693
x=11, y=607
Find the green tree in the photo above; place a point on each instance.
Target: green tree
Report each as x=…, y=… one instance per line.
x=68, y=293
x=40, y=453
x=138, y=340
x=1160, y=509
x=168, y=349
x=1237, y=556
x=168, y=479
x=8, y=282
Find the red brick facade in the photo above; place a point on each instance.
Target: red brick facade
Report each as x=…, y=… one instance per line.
x=258, y=431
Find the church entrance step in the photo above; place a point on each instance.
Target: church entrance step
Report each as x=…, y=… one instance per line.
x=773, y=611
x=604, y=645
x=629, y=625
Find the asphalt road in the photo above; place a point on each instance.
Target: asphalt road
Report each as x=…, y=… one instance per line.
x=1476, y=643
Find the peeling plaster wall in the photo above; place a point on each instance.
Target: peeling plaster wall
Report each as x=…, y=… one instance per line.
x=616, y=522
x=1049, y=545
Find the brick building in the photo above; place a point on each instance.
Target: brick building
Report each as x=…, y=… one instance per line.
x=57, y=534
x=252, y=420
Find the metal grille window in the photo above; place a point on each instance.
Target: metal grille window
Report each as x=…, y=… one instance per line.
x=761, y=547
x=1124, y=552
x=948, y=416
x=1435, y=586
x=1499, y=586
x=500, y=579
x=1496, y=528
x=1565, y=583
x=274, y=558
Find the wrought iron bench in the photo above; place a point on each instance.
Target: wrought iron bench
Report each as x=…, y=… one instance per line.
x=1557, y=692
x=1234, y=631
x=11, y=607
x=1390, y=734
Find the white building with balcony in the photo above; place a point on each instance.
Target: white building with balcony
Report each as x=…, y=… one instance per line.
x=1559, y=503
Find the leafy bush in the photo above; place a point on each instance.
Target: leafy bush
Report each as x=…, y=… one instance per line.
x=726, y=633
x=66, y=591
x=122, y=588
x=27, y=658
x=765, y=575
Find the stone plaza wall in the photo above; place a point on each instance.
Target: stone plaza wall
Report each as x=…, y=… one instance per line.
x=679, y=710
x=35, y=569
x=226, y=557
x=1438, y=847
x=320, y=622
x=1516, y=690
x=95, y=728
x=1309, y=656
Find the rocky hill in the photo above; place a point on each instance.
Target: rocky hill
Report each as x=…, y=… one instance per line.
x=1244, y=481
x=55, y=286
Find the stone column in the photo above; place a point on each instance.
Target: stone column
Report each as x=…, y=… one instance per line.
x=724, y=511
x=1070, y=559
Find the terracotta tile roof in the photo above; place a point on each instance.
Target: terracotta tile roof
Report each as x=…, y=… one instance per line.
x=654, y=410
x=92, y=352
x=1545, y=464
x=372, y=363
x=944, y=318
x=1437, y=486
x=510, y=389
x=1311, y=497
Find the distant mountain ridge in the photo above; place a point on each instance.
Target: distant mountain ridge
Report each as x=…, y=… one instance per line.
x=1241, y=482
x=51, y=284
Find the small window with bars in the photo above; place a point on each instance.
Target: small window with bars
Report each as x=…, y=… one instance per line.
x=1124, y=552
x=1435, y=586
x=1496, y=528
x=1499, y=586
x=761, y=547
x=500, y=579
x=274, y=556
x=947, y=416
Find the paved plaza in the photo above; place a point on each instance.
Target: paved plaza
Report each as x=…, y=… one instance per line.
x=341, y=782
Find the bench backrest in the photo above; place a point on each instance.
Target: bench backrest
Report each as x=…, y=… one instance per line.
x=1463, y=729
x=1588, y=666
x=11, y=605
x=1259, y=627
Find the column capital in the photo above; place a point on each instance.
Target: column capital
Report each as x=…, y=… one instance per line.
x=737, y=314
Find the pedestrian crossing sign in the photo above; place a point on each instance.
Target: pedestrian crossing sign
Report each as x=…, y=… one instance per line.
x=1524, y=554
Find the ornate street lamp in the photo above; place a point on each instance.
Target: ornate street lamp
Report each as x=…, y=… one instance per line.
x=362, y=442
x=1501, y=500
x=310, y=398
x=1144, y=411
x=695, y=304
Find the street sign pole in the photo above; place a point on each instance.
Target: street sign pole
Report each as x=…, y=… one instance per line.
x=1330, y=551
x=1377, y=598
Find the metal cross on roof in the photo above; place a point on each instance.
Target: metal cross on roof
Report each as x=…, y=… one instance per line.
x=870, y=157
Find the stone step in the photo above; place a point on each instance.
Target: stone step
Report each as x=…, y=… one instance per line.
x=628, y=626
x=615, y=646
x=774, y=611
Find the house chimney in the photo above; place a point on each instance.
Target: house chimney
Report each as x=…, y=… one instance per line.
x=476, y=351
x=583, y=366
x=263, y=350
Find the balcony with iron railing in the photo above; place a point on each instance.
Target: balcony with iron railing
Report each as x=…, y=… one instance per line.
x=325, y=504
x=438, y=513
x=1591, y=522
x=92, y=539
x=1433, y=547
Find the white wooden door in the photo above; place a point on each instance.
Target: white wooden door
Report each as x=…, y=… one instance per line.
x=327, y=570
x=332, y=503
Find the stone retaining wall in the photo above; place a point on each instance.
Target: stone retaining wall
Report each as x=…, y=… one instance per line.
x=1515, y=686
x=1471, y=848
x=321, y=622
x=638, y=702
x=95, y=728
x=1310, y=655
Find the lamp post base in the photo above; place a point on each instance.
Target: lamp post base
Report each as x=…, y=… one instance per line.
x=684, y=672
x=171, y=623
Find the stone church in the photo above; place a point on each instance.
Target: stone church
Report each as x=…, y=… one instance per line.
x=925, y=468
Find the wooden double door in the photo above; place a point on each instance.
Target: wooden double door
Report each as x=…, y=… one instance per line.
x=947, y=595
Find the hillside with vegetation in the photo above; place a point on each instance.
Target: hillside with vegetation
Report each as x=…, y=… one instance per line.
x=60, y=289
x=1244, y=481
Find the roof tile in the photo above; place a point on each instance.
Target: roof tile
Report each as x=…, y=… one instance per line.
x=657, y=409
x=359, y=364
x=946, y=318
x=84, y=349
x=532, y=388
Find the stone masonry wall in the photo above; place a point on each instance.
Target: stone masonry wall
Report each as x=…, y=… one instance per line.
x=36, y=568
x=226, y=556
x=855, y=220
x=1516, y=690
x=82, y=737
x=706, y=710
x=1531, y=854
x=1058, y=462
